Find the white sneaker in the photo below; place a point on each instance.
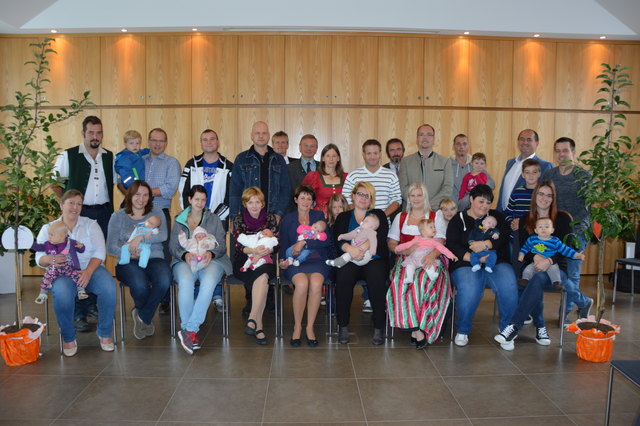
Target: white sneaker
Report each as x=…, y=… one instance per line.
x=475, y=268
x=366, y=306
x=542, y=337
x=461, y=339
x=508, y=346
x=70, y=351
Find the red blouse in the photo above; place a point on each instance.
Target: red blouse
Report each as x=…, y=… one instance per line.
x=323, y=190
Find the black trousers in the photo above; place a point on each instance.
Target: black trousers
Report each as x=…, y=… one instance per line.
x=375, y=274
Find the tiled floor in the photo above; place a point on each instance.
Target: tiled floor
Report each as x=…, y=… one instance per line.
x=236, y=381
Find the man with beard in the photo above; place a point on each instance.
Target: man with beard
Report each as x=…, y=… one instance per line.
x=395, y=152
x=89, y=168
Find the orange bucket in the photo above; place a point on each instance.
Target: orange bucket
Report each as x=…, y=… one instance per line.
x=592, y=346
x=18, y=349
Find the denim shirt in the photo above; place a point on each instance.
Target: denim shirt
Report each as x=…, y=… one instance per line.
x=246, y=173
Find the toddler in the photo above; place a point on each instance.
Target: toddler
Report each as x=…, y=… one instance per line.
x=546, y=245
x=263, y=238
x=424, y=243
x=60, y=243
x=307, y=232
x=484, y=229
x=447, y=209
x=144, y=230
x=476, y=176
x=336, y=205
x=363, y=236
x=200, y=243
x=129, y=163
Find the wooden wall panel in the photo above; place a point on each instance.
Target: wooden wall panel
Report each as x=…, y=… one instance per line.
x=577, y=127
x=350, y=128
x=354, y=66
x=534, y=74
x=301, y=121
x=223, y=121
x=628, y=55
x=446, y=72
x=14, y=52
x=491, y=133
x=490, y=73
x=543, y=123
x=307, y=72
x=168, y=70
x=576, y=68
x=400, y=71
x=261, y=69
x=447, y=123
x=214, y=69
x=75, y=69
x=122, y=73
x=399, y=123
x=274, y=117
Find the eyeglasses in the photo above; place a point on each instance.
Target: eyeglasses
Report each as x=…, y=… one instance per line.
x=363, y=195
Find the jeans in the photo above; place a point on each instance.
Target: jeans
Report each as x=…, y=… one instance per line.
x=192, y=314
x=147, y=285
x=64, y=295
x=304, y=254
x=470, y=288
x=531, y=299
x=573, y=278
x=492, y=257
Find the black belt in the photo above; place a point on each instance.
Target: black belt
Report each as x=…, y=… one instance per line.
x=95, y=206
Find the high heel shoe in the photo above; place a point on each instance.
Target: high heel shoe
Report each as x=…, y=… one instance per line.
x=261, y=340
x=312, y=343
x=295, y=343
x=248, y=330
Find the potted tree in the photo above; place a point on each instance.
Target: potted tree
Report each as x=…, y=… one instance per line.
x=26, y=169
x=613, y=192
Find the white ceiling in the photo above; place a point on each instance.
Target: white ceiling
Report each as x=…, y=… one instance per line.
x=586, y=19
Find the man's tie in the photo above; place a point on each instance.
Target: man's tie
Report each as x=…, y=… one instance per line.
x=308, y=166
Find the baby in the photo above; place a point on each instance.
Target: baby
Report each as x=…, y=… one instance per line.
x=424, y=243
x=144, y=229
x=129, y=163
x=307, y=232
x=363, y=236
x=486, y=230
x=200, y=243
x=263, y=238
x=546, y=245
x=476, y=176
x=60, y=243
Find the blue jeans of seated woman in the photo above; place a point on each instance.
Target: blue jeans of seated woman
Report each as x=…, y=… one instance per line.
x=531, y=299
x=64, y=295
x=470, y=288
x=193, y=313
x=147, y=285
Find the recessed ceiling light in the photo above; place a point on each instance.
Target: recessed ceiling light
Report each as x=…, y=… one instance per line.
x=466, y=33
x=603, y=37
x=536, y=35
x=194, y=29
x=54, y=31
x=124, y=30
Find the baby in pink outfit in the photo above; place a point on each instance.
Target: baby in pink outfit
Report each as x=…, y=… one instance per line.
x=424, y=244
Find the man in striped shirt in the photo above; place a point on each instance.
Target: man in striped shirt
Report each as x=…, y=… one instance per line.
x=385, y=181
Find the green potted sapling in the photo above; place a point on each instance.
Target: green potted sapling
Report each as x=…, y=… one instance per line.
x=613, y=192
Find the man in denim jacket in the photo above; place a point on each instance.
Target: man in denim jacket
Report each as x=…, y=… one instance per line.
x=260, y=166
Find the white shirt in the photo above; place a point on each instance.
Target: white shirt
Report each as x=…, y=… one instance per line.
x=88, y=232
x=511, y=178
x=97, y=191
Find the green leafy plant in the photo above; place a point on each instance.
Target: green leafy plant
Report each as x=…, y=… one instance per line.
x=26, y=170
x=614, y=190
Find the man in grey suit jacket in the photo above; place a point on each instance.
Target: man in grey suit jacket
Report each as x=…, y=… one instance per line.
x=299, y=168
x=528, y=141
x=428, y=167
x=280, y=144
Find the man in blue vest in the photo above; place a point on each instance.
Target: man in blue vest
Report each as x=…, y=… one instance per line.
x=89, y=168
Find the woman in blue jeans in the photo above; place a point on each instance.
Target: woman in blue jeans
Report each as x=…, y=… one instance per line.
x=543, y=204
x=470, y=285
x=93, y=275
x=215, y=261
x=147, y=285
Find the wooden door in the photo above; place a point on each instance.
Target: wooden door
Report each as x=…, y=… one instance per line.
x=490, y=73
x=307, y=70
x=261, y=69
x=400, y=70
x=354, y=68
x=74, y=70
x=534, y=74
x=214, y=70
x=446, y=72
x=168, y=70
x=122, y=77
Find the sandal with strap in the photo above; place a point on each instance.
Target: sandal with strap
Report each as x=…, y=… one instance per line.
x=261, y=340
x=248, y=330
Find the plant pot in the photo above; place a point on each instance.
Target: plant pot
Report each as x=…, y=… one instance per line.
x=22, y=346
x=594, y=341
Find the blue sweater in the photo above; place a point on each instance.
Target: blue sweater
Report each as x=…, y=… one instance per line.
x=130, y=166
x=547, y=248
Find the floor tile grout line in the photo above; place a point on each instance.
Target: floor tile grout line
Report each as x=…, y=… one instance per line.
x=266, y=394
x=355, y=375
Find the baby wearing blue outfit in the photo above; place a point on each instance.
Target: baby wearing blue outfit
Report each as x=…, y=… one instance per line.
x=144, y=230
x=129, y=163
x=545, y=245
x=484, y=229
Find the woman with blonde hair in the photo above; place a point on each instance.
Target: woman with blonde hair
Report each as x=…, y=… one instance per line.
x=374, y=273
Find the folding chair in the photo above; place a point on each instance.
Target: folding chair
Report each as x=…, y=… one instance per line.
x=172, y=309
